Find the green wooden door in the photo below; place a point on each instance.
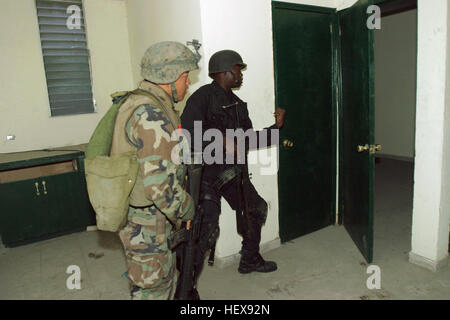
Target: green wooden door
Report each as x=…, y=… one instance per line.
x=357, y=125
x=303, y=58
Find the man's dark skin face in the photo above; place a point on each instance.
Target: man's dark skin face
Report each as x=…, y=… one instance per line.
x=226, y=79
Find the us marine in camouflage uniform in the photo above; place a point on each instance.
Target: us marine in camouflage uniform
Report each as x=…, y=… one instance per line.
x=145, y=122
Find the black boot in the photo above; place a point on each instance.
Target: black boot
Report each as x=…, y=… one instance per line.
x=255, y=263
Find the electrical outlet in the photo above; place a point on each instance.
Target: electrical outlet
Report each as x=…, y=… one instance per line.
x=10, y=137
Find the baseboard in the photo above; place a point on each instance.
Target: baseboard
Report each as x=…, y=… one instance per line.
x=427, y=263
x=222, y=262
x=393, y=157
x=3, y=249
x=91, y=228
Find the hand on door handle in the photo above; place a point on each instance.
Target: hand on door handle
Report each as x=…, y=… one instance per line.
x=279, y=114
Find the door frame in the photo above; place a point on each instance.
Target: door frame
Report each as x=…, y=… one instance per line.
x=390, y=7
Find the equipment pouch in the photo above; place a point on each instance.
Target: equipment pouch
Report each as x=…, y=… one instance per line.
x=109, y=182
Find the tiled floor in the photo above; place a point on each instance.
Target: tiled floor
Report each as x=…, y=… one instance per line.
x=321, y=265
x=38, y=271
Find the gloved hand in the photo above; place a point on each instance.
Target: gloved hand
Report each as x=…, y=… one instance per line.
x=189, y=212
x=279, y=114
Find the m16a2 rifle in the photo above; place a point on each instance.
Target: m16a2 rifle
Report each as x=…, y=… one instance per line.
x=185, y=240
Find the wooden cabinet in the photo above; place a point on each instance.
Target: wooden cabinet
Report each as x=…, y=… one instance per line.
x=42, y=195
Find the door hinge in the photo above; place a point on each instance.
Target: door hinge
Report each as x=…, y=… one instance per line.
x=331, y=28
x=340, y=31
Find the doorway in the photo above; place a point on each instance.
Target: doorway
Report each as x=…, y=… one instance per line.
x=347, y=60
x=395, y=103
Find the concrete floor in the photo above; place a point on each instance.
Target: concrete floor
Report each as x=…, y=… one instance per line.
x=322, y=265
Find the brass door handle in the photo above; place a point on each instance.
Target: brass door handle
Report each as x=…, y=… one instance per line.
x=45, y=189
x=37, y=188
x=287, y=143
x=363, y=148
x=374, y=148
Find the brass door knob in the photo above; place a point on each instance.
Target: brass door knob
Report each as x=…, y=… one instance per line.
x=363, y=148
x=376, y=147
x=287, y=143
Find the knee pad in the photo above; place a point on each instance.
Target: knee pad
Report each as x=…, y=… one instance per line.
x=209, y=231
x=209, y=236
x=259, y=212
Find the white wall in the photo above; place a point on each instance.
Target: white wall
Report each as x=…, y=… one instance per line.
x=431, y=187
x=343, y=4
x=24, y=105
x=248, y=31
x=395, y=84
x=321, y=3
x=150, y=22
x=445, y=204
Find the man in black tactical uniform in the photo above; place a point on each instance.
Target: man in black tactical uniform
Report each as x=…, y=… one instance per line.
x=216, y=106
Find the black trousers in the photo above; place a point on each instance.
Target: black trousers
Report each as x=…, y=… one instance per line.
x=210, y=200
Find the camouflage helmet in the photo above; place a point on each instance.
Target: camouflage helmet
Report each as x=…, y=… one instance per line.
x=164, y=62
x=223, y=61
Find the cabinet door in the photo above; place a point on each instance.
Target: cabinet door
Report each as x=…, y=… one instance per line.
x=67, y=206
x=21, y=213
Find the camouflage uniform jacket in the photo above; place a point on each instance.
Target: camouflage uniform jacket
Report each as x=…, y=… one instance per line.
x=143, y=125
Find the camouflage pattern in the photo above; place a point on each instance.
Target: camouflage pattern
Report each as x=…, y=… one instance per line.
x=164, y=62
x=150, y=263
x=163, y=180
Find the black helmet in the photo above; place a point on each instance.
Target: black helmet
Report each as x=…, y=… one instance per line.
x=223, y=61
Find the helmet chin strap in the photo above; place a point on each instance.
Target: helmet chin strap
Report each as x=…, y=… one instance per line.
x=174, y=92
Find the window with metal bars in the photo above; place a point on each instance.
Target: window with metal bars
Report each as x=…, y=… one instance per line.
x=66, y=56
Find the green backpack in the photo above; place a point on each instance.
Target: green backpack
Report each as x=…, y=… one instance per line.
x=109, y=179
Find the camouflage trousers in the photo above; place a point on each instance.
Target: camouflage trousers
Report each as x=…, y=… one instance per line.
x=151, y=265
